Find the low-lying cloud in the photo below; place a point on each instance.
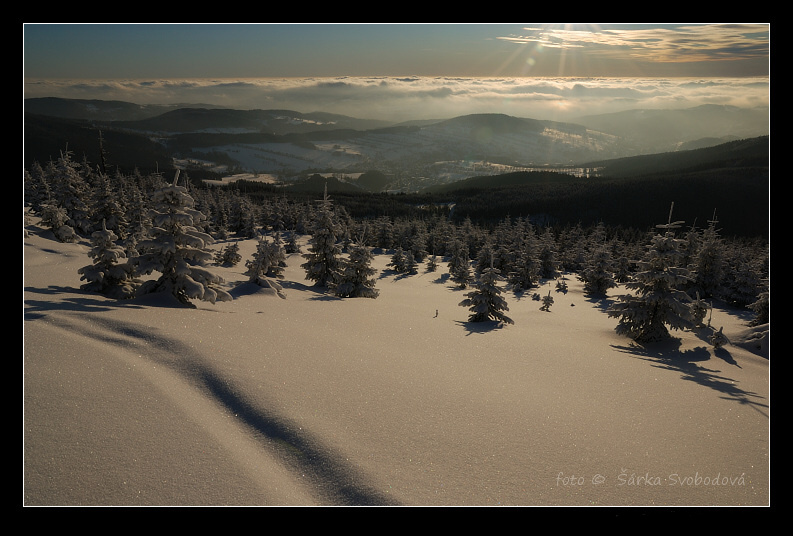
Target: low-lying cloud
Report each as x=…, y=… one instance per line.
x=406, y=98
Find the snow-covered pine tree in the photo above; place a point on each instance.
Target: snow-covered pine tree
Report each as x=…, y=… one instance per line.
x=597, y=273
x=549, y=261
x=177, y=250
x=708, y=262
x=432, y=263
x=398, y=262
x=459, y=263
x=71, y=192
x=229, y=255
x=291, y=243
x=107, y=206
x=355, y=279
x=547, y=301
x=411, y=266
x=658, y=301
x=266, y=265
x=525, y=273
x=55, y=218
x=322, y=261
x=485, y=302
x=110, y=274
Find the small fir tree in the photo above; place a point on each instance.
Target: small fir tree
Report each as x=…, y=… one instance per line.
x=398, y=261
x=55, y=218
x=322, y=261
x=547, y=301
x=355, y=280
x=110, y=274
x=485, y=302
x=229, y=255
x=708, y=263
x=178, y=250
x=266, y=265
x=459, y=264
x=658, y=301
x=432, y=263
x=597, y=273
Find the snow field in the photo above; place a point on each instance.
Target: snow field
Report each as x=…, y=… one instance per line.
x=315, y=400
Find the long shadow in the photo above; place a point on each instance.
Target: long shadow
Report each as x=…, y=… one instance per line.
x=84, y=302
x=667, y=355
x=338, y=483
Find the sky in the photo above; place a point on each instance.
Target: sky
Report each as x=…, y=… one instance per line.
x=404, y=71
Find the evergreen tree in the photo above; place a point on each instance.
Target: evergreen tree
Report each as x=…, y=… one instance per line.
x=597, y=272
x=708, y=263
x=322, y=262
x=229, y=255
x=266, y=264
x=548, y=256
x=109, y=274
x=432, y=263
x=71, y=192
x=485, y=302
x=525, y=273
x=55, y=218
x=398, y=261
x=177, y=250
x=459, y=263
x=658, y=301
x=355, y=280
x=107, y=207
x=411, y=266
x=547, y=301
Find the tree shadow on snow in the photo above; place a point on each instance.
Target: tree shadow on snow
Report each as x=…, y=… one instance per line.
x=689, y=363
x=83, y=302
x=318, y=293
x=480, y=327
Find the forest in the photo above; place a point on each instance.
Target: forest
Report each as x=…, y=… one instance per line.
x=142, y=223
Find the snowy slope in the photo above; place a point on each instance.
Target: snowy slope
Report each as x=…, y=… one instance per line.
x=314, y=400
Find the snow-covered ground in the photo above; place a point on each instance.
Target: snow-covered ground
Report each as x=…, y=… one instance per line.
x=315, y=400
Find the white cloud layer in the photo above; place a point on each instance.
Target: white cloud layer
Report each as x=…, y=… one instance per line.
x=405, y=98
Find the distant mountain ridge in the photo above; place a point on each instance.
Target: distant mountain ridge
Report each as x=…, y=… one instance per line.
x=423, y=153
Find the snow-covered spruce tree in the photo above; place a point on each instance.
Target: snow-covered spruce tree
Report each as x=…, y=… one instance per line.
x=548, y=256
x=291, y=243
x=266, y=265
x=322, y=261
x=178, y=250
x=107, y=206
x=398, y=262
x=597, y=273
x=459, y=263
x=229, y=255
x=525, y=273
x=71, y=191
x=355, y=279
x=762, y=309
x=485, y=302
x=547, y=301
x=432, y=263
x=55, y=218
x=110, y=274
x=708, y=263
x=658, y=301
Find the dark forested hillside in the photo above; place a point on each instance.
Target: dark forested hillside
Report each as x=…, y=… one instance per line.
x=46, y=137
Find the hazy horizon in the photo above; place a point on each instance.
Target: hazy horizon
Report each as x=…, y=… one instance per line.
x=398, y=72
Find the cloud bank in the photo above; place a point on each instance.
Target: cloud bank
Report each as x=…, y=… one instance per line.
x=406, y=98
